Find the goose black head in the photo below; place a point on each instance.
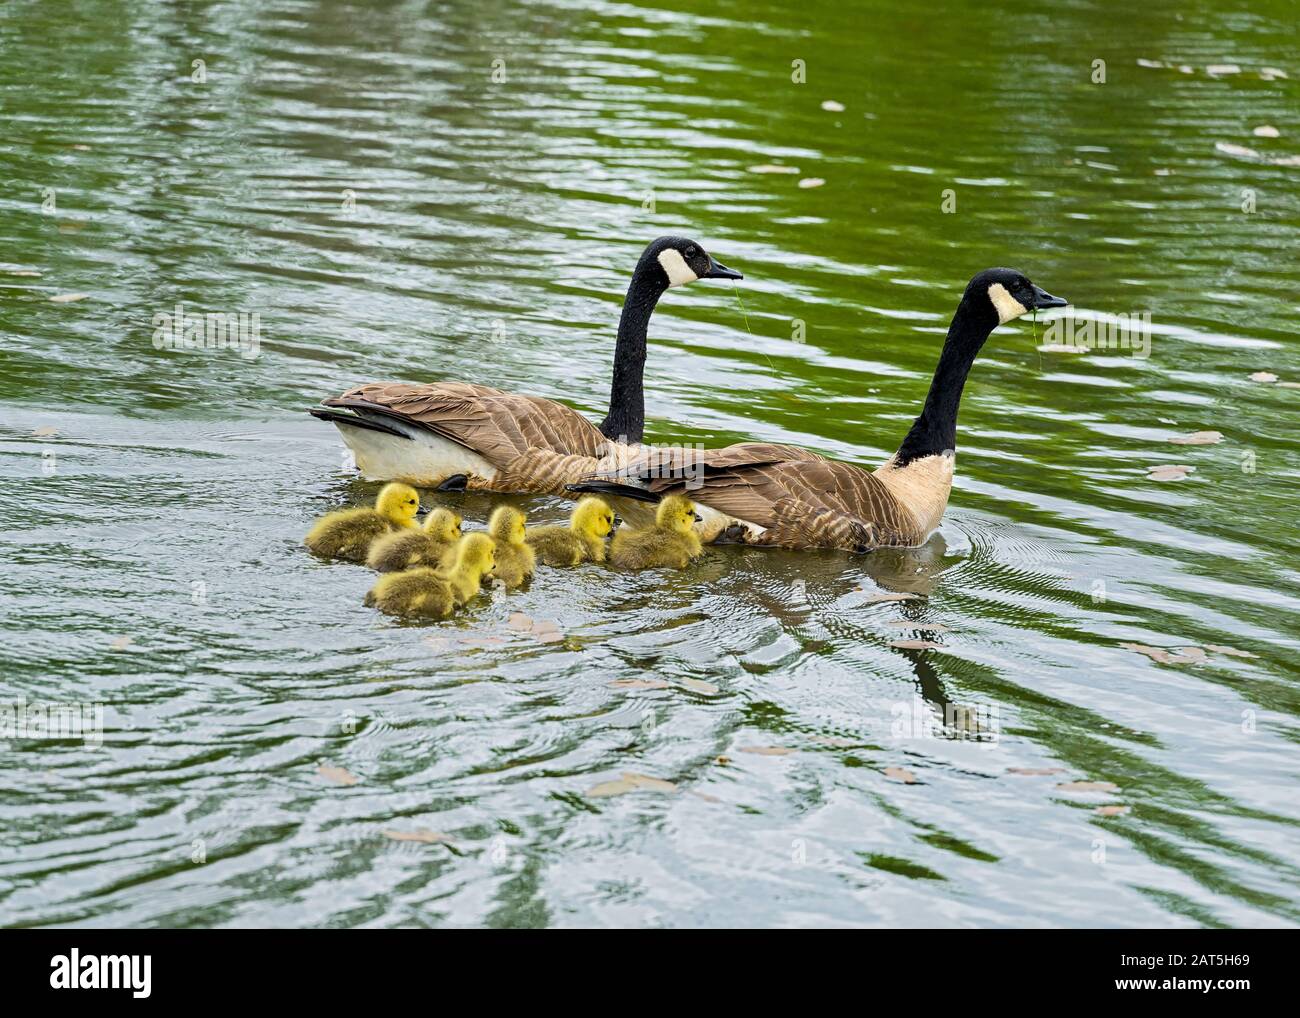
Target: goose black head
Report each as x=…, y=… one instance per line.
x=681, y=260
x=1009, y=294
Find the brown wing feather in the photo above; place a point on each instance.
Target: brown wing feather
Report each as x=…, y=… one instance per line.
x=755, y=453
x=541, y=471
x=673, y=462
x=500, y=426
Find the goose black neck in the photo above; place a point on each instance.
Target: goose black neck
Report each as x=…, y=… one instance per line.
x=626, y=418
x=935, y=431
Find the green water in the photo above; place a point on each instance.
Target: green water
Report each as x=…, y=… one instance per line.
x=392, y=209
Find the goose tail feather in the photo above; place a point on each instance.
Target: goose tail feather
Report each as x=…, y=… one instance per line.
x=353, y=421
x=591, y=486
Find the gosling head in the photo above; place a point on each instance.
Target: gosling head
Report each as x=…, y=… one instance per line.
x=680, y=260
x=476, y=553
x=507, y=525
x=677, y=514
x=442, y=525
x=1008, y=294
x=398, y=502
x=593, y=516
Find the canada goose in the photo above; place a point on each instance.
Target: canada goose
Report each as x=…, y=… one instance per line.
x=583, y=540
x=349, y=533
x=671, y=542
x=425, y=592
x=761, y=494
x=454, y=435
x=406, y=548
x=516, y=559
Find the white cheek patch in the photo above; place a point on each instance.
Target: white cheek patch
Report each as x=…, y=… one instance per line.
x=1007, y=306
x=679, y=273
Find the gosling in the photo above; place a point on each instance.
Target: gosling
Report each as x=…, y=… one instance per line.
x=348, y=534
x=670, y=543
x=473, y=558
x=428, y=546
x=516, y=560
x=583, y=540
x=423, y=592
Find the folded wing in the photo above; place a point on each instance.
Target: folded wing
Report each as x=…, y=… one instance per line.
x=500, y=426
x=799, y=499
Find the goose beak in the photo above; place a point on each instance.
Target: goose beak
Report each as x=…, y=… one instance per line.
x=1043, y=299
x=719, y=271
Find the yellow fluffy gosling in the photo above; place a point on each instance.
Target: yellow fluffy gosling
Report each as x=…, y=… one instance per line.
x=474, y=557
x=426, y=593
x=583, y=540
x=516, y=560
x=349, y=534
x=427, y=546
x=671, y=542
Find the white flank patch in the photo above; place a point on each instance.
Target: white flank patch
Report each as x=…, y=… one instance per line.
x=1007, y=306
x=679, y=273
x=713, y=523
x=425, y=459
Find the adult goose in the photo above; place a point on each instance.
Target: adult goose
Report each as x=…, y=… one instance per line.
x=781, y=496
x=457, y=435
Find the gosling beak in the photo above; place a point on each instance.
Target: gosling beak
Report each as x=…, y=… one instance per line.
x=719, y=271
x=698, y=517
x=1043, y=299
x=618, y=522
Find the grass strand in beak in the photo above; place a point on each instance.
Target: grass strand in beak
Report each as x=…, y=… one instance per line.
x=741, y=304
x=1033, y=326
